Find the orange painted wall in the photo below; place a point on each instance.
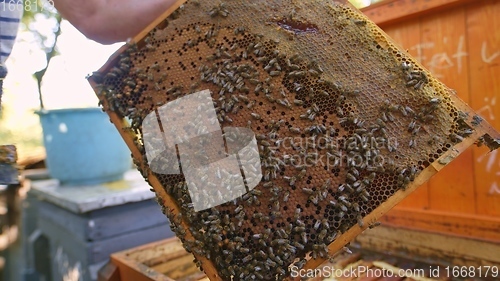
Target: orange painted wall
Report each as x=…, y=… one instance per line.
x=459, y=42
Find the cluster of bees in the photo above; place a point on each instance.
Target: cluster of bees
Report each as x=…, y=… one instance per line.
x=331, y=149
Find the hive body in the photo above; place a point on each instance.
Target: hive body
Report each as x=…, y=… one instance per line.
x=343, y=120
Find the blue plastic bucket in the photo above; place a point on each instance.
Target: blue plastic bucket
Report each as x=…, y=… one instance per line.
x=83, y=147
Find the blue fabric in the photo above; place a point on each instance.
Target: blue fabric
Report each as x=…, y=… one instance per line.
x=7, y=37
x=5, y=19
x=11, y=12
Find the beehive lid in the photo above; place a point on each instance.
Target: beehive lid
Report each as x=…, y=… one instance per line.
x=346, y=125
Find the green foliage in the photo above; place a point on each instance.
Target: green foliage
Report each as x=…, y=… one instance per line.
x=35, y=13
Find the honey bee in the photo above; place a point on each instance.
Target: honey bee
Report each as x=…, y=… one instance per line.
x=406, y=66
x=435, y=101
x=247, y=259
x=157, y=87
x=303, y=235
x=411, y=126
x=360, y=22
x=307, y=191
x=324, y=93
x=456, y=138
x=347, y=250
x=256, y=116
x=313, y=73
x=149, y=47
x=360, y=221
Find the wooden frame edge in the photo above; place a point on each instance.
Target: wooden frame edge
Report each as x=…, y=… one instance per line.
x=429, y=247
x=444, y=223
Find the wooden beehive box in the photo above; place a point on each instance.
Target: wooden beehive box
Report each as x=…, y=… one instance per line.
x=165, y=260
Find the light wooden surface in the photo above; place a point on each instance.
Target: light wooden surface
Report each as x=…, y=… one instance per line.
x=82, y=199
x=432, y=247
x=164, y=260
x=475, y=226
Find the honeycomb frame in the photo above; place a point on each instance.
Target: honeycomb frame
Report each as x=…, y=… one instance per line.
x=435, y=120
